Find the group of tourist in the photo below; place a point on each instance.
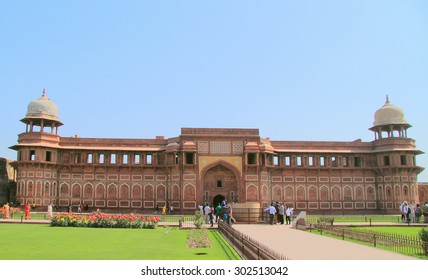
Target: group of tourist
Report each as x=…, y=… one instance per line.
x=49, y=213
x=222, y=212
x=80, y=208
x=411, y=213
x=277, y=211
x=164, y=210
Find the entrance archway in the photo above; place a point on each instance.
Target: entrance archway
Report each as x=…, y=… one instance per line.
x=220, y=182
x=218, y=199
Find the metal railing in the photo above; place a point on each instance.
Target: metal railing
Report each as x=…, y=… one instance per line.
x=394, y=242
x=247, y=247
x=355, y=218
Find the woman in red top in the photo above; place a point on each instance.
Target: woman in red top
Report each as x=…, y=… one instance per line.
x=6, y=211
x=27, y=211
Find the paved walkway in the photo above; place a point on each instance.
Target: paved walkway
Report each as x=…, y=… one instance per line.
x=18, y=221
x=300, y=245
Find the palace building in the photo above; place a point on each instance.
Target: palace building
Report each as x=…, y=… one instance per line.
x=213, y=164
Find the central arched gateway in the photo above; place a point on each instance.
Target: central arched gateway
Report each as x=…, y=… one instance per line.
x=221, y=182
x=218, y=199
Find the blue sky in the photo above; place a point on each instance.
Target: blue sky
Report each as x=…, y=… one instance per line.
x=297, y=70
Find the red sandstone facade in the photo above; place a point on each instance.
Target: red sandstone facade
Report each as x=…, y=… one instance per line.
x=209, y=165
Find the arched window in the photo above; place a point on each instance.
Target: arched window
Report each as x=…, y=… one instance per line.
x=47, y=190
x=76, y=191
x=289, y=194
x=370, y=193
x=347, y=194
x=300, y=193
x=87, y=191
x=124, y=192
x=64, y=190
x=359, y=194
x=100, y=191
x=276, y=194
x=149, y=192
x=161, y=192
x=136, y=192
x=335, y=194
x=252, y=193
x=324, y=194
x=312, y=194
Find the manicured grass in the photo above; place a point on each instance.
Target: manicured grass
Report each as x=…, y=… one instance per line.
x=356, y=218
x=43, y=242
x=406, y=231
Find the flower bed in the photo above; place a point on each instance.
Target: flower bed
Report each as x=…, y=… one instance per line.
x=102, y=220
x=198, y=238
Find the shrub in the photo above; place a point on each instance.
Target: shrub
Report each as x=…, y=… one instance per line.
x=199, y=219
x=423, y=235
x=424, y=210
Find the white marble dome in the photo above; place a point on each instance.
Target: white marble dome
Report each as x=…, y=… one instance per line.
x=42, y=108
x=389, y=114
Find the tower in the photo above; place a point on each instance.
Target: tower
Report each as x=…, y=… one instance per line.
x=38, y=152
x=394, y=157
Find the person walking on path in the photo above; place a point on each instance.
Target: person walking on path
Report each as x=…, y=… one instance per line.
x=406, y=211
x=6, y=211
x=217, y=212
x=281, y=212
x=207, y=211
x=418, y=213
x=49, y=212
x=229, y=215
x=288, y=213
x=275, y=221
x=403, y=214
x=211, y=215
x=271, y=209
x=27, y=211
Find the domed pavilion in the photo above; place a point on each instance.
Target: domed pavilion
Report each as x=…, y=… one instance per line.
x=42, y=113
x=389, y=120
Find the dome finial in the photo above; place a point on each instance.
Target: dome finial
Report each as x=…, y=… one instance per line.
x=387, y=99
x=44, y=92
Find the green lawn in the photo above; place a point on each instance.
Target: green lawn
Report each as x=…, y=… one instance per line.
x=356, y=218
x=43, y=242
x=406, y=231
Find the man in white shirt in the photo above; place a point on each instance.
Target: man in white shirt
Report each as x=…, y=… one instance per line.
x=403, y=215
x=207, y=211
x=271, y=209
x=288, y=213
x=406, y=211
